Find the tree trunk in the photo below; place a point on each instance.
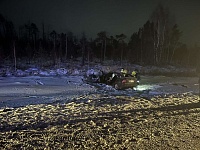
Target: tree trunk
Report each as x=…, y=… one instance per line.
x=101, y=52
x=141, y=51
x=104, y=56
x=158, y=43
x=173, y=51
x=66, y=48
x=88, y=58
x=121, y=55
x=43, y=34
x=14, y=54
x=162, y=44
x=54, y=50
x=83, y=54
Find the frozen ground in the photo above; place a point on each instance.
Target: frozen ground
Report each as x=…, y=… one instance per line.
x=21, y=91
x=65, y=112
x=102, y=121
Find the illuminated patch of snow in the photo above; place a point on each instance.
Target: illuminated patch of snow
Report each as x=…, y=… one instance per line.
x=76, y=72
x=52, y=73
x=147, y=87
x=20, y=73
x=108, y=88
x=62, y=71
x=44, y=73
x=92, y=72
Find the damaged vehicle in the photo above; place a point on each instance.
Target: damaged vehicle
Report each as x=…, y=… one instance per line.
x=117, y=80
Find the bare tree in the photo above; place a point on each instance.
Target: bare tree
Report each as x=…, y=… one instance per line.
x=14, y=55
x=160, y=18
x=102, y=38
x=120, y=39
x=174, y=40
x=83, y=47
x=34, y=34
x=66, y=46
x=53, y=36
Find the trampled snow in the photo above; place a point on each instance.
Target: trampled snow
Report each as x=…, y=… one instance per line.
x=35, y=85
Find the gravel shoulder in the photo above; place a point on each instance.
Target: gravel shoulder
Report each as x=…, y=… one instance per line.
x=99, y=122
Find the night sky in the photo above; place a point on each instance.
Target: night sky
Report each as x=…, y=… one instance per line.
x=93, y=16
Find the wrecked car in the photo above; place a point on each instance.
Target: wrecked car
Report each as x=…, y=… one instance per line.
x=117, y=80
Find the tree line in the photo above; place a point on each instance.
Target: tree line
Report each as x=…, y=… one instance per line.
x=156, y=43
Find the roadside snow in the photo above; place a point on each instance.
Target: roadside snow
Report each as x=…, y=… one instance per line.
x=22, y=91
x=36, y=85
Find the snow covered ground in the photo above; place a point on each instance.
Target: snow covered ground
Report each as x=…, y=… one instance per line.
x=102, y=121
x=55, y=109
x=22, y=91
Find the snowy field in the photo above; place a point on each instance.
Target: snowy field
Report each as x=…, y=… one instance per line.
x=22, y=91
x=65, y=112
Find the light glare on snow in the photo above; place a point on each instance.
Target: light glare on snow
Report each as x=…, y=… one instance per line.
x=145, y=87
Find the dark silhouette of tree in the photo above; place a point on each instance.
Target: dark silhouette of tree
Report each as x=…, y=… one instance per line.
x=133, y=46
x=83, y=42
x=2, y=26
x=181, y=55
x=120, y=38
x=34, y=34
x=111, y=41
x=7, y=36
x=160, y=19
x=146, y=43
x=102, y=37
x=156, y=42
x=53, y=36
x=28, y=40
x=174, y=38
x=71, y=45
x=66, y=46
x=193, y=55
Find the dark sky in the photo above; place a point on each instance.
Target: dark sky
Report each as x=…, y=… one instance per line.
x=93, y=16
